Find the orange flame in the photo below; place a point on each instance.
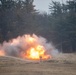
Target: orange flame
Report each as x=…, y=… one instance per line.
x=35, y=50
x=27, y=47
x=2, y=53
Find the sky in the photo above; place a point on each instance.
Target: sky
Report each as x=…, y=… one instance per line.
x=43, y=5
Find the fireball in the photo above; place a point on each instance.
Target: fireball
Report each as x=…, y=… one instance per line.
x=35, y=50
x=28, y=47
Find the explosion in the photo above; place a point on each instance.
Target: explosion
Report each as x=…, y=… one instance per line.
x=27, y=47
x=35, y=50
x=2, y=53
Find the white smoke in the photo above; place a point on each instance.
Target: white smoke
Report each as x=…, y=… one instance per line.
x=15, y=46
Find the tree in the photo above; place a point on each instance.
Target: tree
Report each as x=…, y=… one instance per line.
x=55, y=8
x=16, y=15
x=5, y=5
x=63, y=20
x=28, y=5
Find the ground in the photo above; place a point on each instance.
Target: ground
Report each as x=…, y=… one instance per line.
x=62, y=64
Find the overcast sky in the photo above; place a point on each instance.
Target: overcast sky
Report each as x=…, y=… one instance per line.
x=43, y=5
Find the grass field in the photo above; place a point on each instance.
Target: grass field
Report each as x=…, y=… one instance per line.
x=62, y=64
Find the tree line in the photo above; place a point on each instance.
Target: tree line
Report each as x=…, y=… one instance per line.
x=18, y=17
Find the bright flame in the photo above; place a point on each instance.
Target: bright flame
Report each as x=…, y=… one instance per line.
x=2, y=53
x=27, y=47
x=35, y=51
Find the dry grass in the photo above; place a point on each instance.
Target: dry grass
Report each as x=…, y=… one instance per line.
x=63, y=64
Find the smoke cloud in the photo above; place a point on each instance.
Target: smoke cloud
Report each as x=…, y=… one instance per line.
x=16, y=46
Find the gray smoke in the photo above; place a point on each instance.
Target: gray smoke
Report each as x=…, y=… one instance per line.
x=15, y=46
